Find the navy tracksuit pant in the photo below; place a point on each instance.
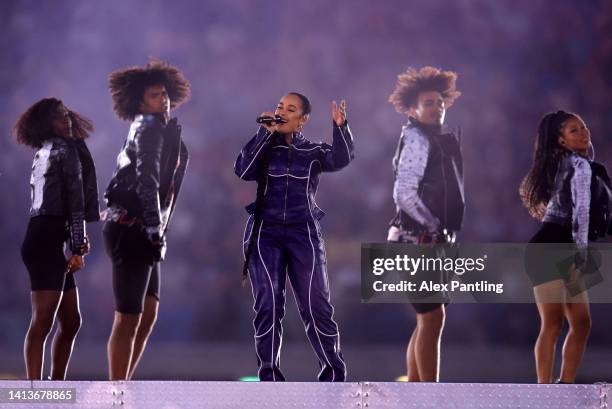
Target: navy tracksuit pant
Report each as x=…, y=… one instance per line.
x=295, y=251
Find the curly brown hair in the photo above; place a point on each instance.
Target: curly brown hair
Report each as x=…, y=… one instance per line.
x=35, y=125
x=411, y=83
x=128, y=85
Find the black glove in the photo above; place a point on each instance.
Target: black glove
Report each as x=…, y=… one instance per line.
x=157, y=242
x=440, y=237
x=581, y=259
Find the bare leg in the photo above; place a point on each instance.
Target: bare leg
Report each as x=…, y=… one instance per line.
x=550, y=298
x=427, y=345
x=69, y=322
x=551, y=323
x=149, y=316
x=121, y=345
x=411, y=361
x=579, y=320
x=44, y=308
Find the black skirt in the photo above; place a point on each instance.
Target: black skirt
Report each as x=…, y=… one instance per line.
x=42, y=252
x=549, y=263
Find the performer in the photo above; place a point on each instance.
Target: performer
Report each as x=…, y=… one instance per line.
x=141, y=197
x=283, y=236
x=64, y=197
x=428, y=193
x=570, y=194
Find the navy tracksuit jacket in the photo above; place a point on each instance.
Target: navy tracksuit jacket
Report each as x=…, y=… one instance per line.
x=285, y=241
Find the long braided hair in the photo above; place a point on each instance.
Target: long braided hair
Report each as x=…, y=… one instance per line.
x=536, y=187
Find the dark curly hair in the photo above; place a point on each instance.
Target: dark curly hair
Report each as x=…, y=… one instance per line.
x=536, y=188
x=127, y=86
x=411, y=83
x=35, y=125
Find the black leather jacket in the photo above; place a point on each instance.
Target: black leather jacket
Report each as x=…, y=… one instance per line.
x=149, y=173
x=428, y=188
x=580, y=198
x=288, y=175
x=63, y=183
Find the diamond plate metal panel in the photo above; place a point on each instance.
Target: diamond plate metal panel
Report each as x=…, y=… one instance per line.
x=605, y=400
x=307, y=395
x=89, y=395
x=252, y=395
x=381, y=395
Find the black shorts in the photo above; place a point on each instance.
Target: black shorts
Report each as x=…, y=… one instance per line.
x=552, y=233
x=135, y=271
x=425, y=307
x=42, y=252
x=541, y=263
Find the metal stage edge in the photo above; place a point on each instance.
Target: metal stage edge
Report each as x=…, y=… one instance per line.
x=354, y=395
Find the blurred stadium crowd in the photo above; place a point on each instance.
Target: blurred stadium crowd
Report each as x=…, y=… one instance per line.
x=516, y=61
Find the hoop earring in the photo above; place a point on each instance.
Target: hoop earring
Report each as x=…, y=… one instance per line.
x=591, y=152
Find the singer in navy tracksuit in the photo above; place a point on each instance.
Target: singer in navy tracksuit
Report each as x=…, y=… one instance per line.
x=283, y=237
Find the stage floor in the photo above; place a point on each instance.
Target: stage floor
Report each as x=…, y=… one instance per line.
x=255, y=395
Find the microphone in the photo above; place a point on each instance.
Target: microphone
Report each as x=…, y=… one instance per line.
x=268, y=120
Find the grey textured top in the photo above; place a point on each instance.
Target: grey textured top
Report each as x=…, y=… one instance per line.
x=410, y=171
